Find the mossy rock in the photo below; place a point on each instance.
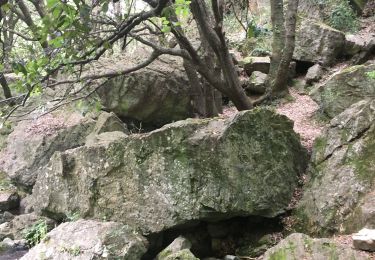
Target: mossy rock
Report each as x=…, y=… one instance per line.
x=349, y=86
x=196, y=169
x=299, y=246
x=341, y=175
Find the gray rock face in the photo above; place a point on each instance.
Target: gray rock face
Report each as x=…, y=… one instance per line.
x=194, y=169
x=257, y=83
x=340, y=193
x=299, y=246
x=355, y=44
x=364, y=240
x=251, y=64
x=314, y=74
x=89, y=239
x=158, y=94
x=178, y=249
x=345, y=88
x=21, y=159
x=318, y=43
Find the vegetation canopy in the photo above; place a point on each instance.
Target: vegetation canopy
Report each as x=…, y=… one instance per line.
x=53, y=43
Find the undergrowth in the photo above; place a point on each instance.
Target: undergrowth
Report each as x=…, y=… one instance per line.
x=36, y=233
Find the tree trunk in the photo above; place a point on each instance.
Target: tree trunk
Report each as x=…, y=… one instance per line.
x=280, y=84
x=197, y=92
x=5, y=45
x=197, y=89
x=278, y=38
x=216, y=40
x=4, y=85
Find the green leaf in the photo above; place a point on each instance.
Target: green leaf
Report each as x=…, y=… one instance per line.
x=18, y=67
x=105, y=7
x=52, y=3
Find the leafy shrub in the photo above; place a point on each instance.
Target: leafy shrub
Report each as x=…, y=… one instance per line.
x=72, y=217
x=343, y=17
x=36, y=233
x=371, y=74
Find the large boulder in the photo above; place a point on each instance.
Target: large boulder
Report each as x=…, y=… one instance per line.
x=345, y=88
x=32, y=143
x=339, y=196
x=157, y=95
x=194, y=169
x=89, y=239
x=318, y=43
x=299, y=246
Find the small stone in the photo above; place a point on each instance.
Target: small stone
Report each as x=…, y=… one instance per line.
x=178, y=247
x=314, y=74
x=8, y=243
x=364, y=240
x=6, y=217
x=257, y=83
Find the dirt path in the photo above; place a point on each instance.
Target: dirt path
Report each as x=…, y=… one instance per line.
x=301, y=110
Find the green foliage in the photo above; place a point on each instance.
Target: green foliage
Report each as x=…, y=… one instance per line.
x=181, y=9
x=72, y=217
x=73, y=251
x=254, y=30
x=36, y=233
x=371, y=74
x=343, y=17
x=87, y=106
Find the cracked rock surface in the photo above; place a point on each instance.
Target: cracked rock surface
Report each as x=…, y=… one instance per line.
x=342, y=173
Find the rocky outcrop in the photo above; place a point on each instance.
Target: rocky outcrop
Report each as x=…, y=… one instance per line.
x=339, y=194
x=318, y=43
x=32, y=143
x=299, y=246
x=102, y=240
x=345, y=88
x=190, y=170
x=157, y=95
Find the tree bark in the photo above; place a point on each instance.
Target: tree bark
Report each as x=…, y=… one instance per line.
x=216, y=40
x=3, y=81
x=278, y=38
x=4, y=85
x=280, y=84
x=197, y=92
